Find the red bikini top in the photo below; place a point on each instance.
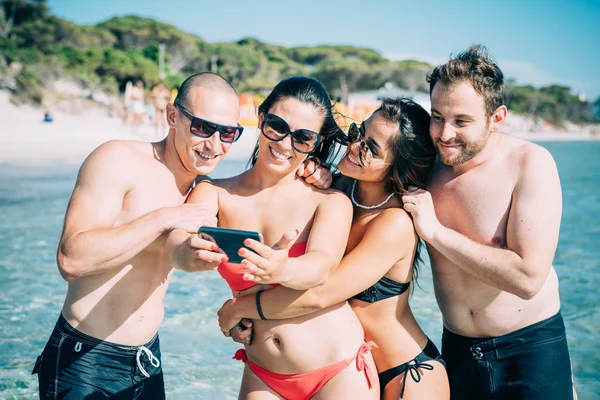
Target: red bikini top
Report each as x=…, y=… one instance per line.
x=234, y=273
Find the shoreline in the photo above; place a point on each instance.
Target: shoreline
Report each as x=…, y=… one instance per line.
x=69, y=139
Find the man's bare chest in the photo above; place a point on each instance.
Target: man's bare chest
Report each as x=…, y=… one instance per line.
x=147, y=197
x=477, y=206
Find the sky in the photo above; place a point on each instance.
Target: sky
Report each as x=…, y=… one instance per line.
x=537, y=42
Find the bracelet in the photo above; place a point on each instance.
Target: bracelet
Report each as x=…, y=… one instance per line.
x=258, y=307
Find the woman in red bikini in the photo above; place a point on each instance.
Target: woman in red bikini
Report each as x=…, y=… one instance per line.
x=321, y=355
x=389, y=152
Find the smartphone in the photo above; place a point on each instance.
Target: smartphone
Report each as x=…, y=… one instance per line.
x=231, y=240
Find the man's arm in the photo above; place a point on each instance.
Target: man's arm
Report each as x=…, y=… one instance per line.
x=188, y=251
x=532, y=231
x=389, y=238
x=91, y=243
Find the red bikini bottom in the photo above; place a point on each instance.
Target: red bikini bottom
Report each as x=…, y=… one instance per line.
x=306, y=384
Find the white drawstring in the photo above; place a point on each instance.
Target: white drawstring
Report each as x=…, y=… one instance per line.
x=153, y=360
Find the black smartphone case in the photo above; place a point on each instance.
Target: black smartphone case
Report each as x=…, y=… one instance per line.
x=231, y=240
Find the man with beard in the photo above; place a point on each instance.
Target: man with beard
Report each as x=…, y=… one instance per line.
x=490, y=217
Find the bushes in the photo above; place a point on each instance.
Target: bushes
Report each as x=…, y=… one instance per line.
x=29, y=87
x=553, y=103
x=126, y=48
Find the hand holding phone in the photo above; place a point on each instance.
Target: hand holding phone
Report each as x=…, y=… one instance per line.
x=268, y=265
x=230, y=240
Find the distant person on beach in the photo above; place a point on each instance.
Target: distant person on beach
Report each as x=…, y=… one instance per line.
x=113, y=252
x=47, y=117
x=321, y=355
x=387, y=153
x=490, y=217
x=137, y=113
x=128, y=196
x=159, y=98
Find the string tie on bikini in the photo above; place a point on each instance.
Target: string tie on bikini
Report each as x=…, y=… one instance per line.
x=415, y=374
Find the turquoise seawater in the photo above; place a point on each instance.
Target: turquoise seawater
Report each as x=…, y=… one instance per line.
x=196, y=357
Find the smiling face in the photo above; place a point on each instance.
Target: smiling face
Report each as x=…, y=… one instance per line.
x=378, y=134
x=201, y=155
x=459, y=127
x=280, y=156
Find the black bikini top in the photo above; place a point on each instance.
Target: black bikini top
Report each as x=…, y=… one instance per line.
x=381, y=290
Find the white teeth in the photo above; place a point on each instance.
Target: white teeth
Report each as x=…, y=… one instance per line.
x=353, y=160
x=206, y=156
x=278, y=155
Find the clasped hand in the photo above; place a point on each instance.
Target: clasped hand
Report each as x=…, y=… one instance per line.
x=239, y=330
x=419, y=203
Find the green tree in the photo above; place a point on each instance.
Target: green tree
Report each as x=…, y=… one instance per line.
x=17, y=12
x=341, y=75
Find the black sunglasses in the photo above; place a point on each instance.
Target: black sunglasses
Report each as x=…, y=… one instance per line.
x=205, y=129
x=275, y=128
x=365, y=154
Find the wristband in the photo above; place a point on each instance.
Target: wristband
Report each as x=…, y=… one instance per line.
x=258, y=307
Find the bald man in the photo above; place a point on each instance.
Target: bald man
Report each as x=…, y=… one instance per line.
x=128, y=196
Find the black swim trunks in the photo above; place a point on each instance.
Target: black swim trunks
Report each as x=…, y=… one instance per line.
x=429, y=353
x=531, y=363
x=74, y=365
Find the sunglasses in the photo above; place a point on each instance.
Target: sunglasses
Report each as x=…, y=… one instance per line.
x=365, y=153
x=205, y=129
x=275, y=128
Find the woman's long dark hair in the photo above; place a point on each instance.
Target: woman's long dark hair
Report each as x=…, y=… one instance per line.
x=413, y=150
x=310, y=91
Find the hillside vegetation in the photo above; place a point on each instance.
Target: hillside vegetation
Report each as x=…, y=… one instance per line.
x=37, y=48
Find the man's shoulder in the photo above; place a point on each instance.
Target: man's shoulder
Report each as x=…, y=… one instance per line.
x=532, y=164
x=527, y=154
x=127, y=150
x=118, y=157
x=522, y=148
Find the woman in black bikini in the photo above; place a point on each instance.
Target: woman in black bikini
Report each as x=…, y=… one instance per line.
x=389, y=152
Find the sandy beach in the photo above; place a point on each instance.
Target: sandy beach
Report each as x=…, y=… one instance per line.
x=70, y=138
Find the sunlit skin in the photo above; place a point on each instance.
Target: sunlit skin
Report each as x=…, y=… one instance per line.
x=279, y=157
x=377, y=135
x=490, y=219
x=395, y=314
x=198, y=155
x=459, y=128
x=382, y=242
x=270, y=198
x=129, y=195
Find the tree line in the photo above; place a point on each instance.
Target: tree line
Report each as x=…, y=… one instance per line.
x=37, y=47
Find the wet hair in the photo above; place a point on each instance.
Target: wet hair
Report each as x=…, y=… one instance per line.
x=206, y=80
x=309, y=91
x=413, y=151
x=476, y=67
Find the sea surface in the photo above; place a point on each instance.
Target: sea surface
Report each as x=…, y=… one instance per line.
x=196, y=357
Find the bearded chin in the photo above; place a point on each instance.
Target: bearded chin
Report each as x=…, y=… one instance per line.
x=469, y=151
